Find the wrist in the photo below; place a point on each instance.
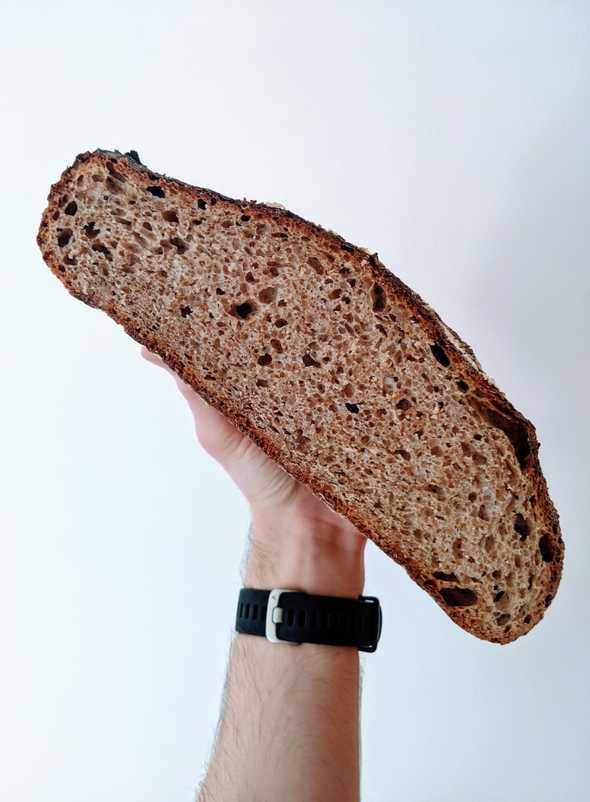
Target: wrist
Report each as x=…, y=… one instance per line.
x=313, y=557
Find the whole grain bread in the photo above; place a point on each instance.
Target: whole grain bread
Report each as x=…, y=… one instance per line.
x=333, y=366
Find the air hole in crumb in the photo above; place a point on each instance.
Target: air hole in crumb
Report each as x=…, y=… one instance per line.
x=276, y=344
x=316, y=265
x=444, y=577
x=158, y=192
x=261, y=383
x=310, y=362
x=472, y=496
x=64, y=237
x=113, y=186
x=403, y=404
x=185, y=311
x=527, y=619
x=147, y=226
x=280, y=322
x=250, y=277
x=352, y=408
x=170, y=216
x=521, y=526
x=379, y=300
x=463, y=386
x=347, y=390
x=502, y=619
x=335, y=294
x=100, y=248
x=267, y=295
x=514, y=429
x=403, y=453
x=440, y=355
x=91, y=231
x=201, y=204
x=219, y=291
x=243, y=310
x=244, y=218
x=71, y=208
x=264, y=360
x=546, y=548
x=459, y=597
x=180, y=245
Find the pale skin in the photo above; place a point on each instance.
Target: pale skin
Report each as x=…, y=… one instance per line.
x=289, y=724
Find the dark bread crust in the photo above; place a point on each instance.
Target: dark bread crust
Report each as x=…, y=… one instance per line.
x=457, y=351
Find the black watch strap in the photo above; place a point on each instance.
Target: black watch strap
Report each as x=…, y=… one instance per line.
x=292, y=616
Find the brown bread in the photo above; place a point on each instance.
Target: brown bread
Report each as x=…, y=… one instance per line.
x=336, y=368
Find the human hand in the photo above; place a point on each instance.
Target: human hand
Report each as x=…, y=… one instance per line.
x=295, y=537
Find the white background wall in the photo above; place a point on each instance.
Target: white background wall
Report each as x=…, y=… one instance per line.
x=453, y=138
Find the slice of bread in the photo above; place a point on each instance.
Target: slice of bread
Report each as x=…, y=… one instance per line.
x=333, y=366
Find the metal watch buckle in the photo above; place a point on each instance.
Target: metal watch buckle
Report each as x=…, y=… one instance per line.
x=274, y=615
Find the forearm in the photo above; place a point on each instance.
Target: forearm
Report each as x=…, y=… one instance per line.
x=289, y=729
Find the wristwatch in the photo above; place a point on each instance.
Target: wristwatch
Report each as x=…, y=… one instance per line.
x=284, y=615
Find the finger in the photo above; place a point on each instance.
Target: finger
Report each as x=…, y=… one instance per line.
x=147, y=354
x=184, y=388
x=214, y=431
x=155, y=359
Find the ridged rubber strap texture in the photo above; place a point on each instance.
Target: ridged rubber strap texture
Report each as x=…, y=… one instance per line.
x=307, y=618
